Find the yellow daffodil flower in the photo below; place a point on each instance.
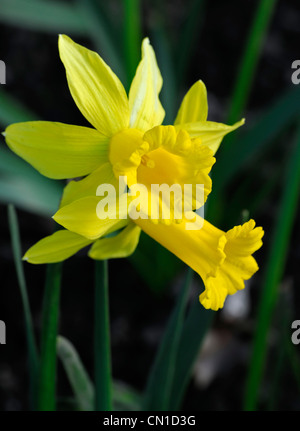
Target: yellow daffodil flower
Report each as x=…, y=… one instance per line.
x=128, y=141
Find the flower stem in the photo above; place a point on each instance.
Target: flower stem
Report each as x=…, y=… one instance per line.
x=47, y=383
x=103, y=375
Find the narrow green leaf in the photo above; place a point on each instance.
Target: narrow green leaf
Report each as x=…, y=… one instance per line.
x=273, y=272
x=250, y=58
x=102, y=353
x=42, y=15
x=47, y=380
x=124, y=397
x=159, y=384
x=196, y=326
x=78, y=377
x=132, y=36
x=33, y=360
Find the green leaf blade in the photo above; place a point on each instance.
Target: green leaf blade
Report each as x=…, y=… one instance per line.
x=31, y=342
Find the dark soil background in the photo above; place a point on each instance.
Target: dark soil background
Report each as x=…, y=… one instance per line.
x=36, y=77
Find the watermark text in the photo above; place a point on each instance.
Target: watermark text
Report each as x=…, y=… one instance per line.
x=2, y=72
x=162, y=202
x=296, y=75
x=2, y=332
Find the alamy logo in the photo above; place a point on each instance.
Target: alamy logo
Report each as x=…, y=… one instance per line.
x=2, y=332
x=162, y=202
x=296, y=334
x=2, y=72
x=296, y=75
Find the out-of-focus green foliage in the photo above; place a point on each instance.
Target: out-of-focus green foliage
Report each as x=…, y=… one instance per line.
x=22, y=186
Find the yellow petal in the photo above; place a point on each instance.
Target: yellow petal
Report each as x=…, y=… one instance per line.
x=210, y=133
x=58, y=150
x=81, y=217
x=194, y=106
x=55, y=248
x=97, y=91
x=146, y=110
x=121, y=245
x=75, y=190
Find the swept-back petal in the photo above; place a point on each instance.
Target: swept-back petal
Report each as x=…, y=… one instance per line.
x=121, y=245
x=56, y=247
x=81, y=217
x=194, y=106
x=75, y=190
x=146, y=110
x=210, y=133
x=97, y=91
x=58, y=150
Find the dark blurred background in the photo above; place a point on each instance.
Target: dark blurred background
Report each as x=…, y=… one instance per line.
x=140, y=307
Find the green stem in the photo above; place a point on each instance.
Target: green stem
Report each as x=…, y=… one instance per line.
x=47, y=383
x=250, y=58
x=33, y=359
x=132, y=36
x=273, y=274
x=103, y=374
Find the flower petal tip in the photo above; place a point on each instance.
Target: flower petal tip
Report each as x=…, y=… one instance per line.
x=201, y=82
x=62, y=39
x=146, y=41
